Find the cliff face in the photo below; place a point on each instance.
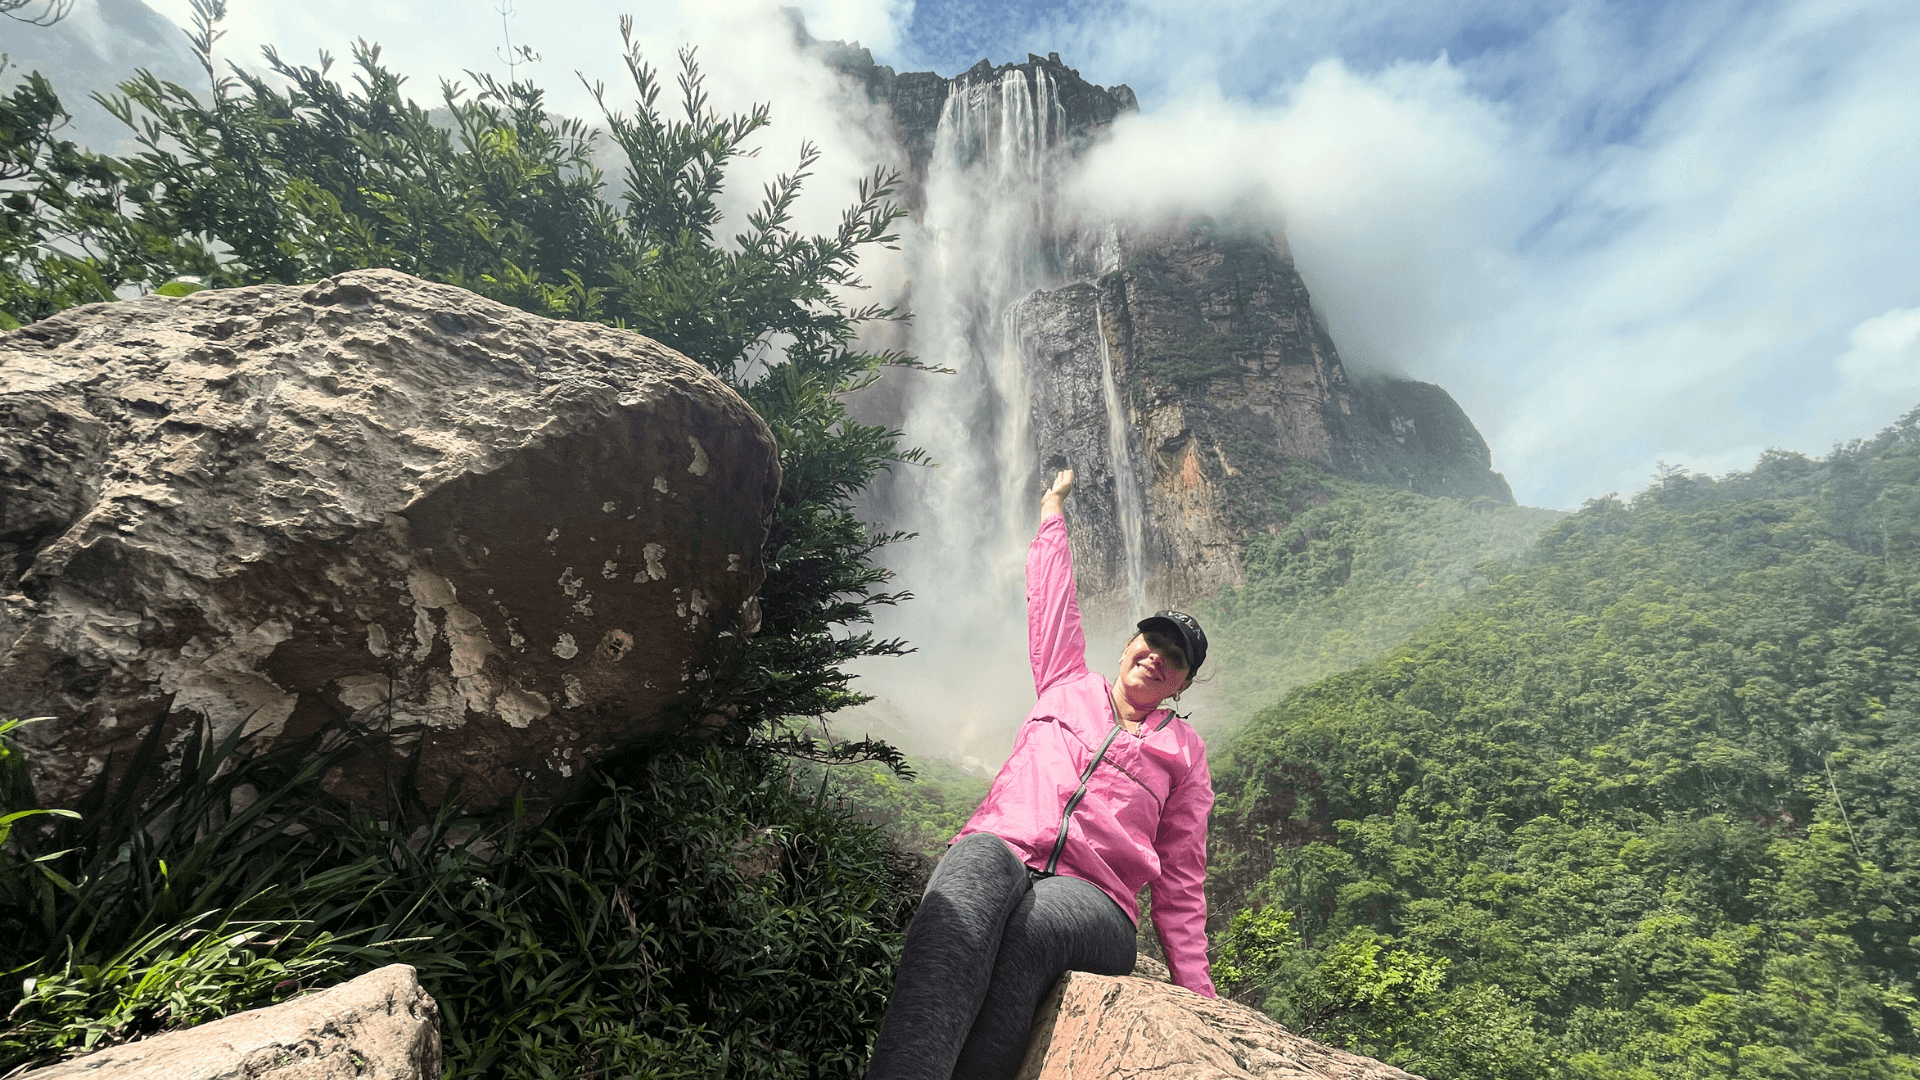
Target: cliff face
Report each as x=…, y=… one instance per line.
x=1223, y=378
x=1180, y=370
x=918, y=100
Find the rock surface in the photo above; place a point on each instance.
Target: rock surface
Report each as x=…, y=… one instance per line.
x=380, y=1026
x=495, y=543
x=1225, y=378
x=1096, y=1027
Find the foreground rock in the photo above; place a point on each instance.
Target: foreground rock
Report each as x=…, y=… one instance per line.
x=380, y=1026
x=1095, y=1027
x=501, y=543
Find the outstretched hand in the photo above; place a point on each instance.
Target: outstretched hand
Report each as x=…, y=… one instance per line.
x=1054, y=501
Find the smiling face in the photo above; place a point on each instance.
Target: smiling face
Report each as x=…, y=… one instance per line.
x=1152, y=668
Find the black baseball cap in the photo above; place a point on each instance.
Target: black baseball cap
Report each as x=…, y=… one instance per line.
x=1182, y=628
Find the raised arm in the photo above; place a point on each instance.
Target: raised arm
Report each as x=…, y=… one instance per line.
x=1056, y=645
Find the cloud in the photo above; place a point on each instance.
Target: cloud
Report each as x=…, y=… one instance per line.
x=1396, y=192
x=1613, y=243
x=1691, y=290
x=1879, y=372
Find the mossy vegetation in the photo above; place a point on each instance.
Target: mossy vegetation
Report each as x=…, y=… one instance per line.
x=1188, y=366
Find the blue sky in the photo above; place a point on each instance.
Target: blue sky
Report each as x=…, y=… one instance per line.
x=1619, y=234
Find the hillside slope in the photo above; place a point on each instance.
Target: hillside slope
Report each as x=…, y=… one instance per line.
x=1347, y=571
x=1648, y=806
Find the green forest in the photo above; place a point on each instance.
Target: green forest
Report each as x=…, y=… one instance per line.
x=1627, y=793
x=1354, y=570
x=1644, y=806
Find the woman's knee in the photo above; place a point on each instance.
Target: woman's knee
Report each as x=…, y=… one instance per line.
x=978, y=883
x=974, y=858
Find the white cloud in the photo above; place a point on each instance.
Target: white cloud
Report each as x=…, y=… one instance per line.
x=1397, y=193
x=1611, y=248
x=1879, y=372
x=1688, y=298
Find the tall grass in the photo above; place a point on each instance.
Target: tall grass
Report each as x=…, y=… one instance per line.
x=693, y=915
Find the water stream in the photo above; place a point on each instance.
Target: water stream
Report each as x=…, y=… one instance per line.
x=1126, y=481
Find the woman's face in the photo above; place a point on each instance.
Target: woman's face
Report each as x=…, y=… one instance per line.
x=1152, y=668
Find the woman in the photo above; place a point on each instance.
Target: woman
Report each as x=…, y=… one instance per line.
x=1106, y=791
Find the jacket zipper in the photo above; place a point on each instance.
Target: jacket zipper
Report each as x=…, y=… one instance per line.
x=1060, y=841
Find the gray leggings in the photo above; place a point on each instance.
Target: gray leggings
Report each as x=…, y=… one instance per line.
x=986, y=943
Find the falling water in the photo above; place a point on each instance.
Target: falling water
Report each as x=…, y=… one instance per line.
x=982, y=246
x=1126, y=483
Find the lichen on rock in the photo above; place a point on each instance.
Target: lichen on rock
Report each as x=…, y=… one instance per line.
x=371, y=501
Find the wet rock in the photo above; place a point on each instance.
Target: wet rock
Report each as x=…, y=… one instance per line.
x=380, y=1026
x=497, y=545
x=1093, y=1027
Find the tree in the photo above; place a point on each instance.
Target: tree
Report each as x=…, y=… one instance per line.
x=262, y=184
x=22, y=11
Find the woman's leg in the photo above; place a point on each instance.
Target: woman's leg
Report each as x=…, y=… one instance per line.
x=1064, y=924
x=947, y=960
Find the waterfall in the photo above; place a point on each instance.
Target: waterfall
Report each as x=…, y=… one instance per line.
x=982, y=245
x=1126, y=482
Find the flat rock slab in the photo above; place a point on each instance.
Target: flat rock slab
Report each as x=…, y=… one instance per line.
x=495, y=545
x=380, y=1026
x=1097, y=1027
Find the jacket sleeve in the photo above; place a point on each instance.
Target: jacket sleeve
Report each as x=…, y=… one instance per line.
x=1056, y=644
x=1179, y=894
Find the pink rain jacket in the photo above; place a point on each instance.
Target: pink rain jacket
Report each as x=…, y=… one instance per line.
x=1083, y=797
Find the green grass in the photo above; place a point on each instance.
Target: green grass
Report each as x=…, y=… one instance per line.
x=696, y=914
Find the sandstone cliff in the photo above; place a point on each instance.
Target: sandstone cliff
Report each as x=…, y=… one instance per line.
x=1222, y=379
x=1181, y=370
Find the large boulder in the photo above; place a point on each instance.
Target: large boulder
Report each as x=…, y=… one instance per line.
x=380, y=1026
x=496, y=545
x=1096, y=1027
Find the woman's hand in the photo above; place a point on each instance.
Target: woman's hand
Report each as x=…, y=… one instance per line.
x=1054, y=501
